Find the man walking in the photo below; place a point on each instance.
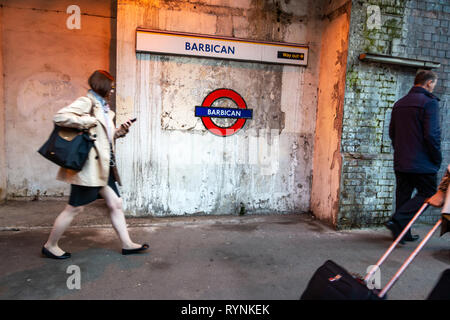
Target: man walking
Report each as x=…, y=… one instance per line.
x=416, y=138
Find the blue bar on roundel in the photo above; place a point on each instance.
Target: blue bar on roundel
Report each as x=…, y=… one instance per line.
x=212, y=112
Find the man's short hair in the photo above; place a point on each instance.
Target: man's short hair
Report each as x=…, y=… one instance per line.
x=422, y=76
x=101, y=82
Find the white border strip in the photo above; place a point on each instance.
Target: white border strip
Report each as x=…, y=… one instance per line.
x=188, y=44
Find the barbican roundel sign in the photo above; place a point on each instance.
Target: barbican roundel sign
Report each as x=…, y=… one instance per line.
x=206, y=112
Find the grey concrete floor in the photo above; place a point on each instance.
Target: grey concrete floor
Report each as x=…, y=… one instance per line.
x=270, y=257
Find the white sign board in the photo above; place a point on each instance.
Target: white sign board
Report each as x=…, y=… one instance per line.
x=177, y=43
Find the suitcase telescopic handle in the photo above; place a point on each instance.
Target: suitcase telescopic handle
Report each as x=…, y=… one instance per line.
x=408, y=261
x=395, y=243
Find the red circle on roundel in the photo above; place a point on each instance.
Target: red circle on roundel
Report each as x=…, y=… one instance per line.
x=218, y=94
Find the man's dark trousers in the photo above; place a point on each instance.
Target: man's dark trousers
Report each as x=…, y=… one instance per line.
x=405, y=206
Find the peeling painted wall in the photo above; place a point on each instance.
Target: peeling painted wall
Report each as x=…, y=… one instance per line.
x=170, y=164
x=46, y=66
x=2, y=119
x=325, y=194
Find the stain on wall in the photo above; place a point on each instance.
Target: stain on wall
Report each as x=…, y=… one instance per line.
x=186, y=82
x=326, y=180
x=3, y=168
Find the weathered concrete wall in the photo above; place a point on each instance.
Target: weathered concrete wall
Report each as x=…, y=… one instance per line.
x=170, y=164
x=2, y=118
x=325, y=193
x=411, y=29
x=46, y=66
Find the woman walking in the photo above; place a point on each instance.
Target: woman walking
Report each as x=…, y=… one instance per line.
x=98, y=177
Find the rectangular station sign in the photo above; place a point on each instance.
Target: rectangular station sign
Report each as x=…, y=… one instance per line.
x=188, y=44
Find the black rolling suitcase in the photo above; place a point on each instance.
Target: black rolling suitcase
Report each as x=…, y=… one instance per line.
x=332, y=282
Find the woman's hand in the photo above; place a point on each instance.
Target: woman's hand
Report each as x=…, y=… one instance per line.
x=91, y=122
x=437, y=200
x=123, y=129
x=126, y=125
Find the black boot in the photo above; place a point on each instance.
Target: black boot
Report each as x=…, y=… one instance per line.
x=411, y=237
x=395, y=230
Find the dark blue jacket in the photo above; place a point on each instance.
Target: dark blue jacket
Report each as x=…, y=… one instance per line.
x=415, y=132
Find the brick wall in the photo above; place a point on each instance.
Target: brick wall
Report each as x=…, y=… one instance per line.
x=410, y=29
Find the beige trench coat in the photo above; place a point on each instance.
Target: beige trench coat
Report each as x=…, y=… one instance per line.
x=95, y=172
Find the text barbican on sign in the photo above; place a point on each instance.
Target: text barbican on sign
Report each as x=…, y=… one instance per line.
x=205, y=47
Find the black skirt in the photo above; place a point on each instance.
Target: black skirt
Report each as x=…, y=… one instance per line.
x=82, y=195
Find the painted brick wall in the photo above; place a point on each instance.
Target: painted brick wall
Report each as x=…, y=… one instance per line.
x=411, y=29
x=46, y=65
